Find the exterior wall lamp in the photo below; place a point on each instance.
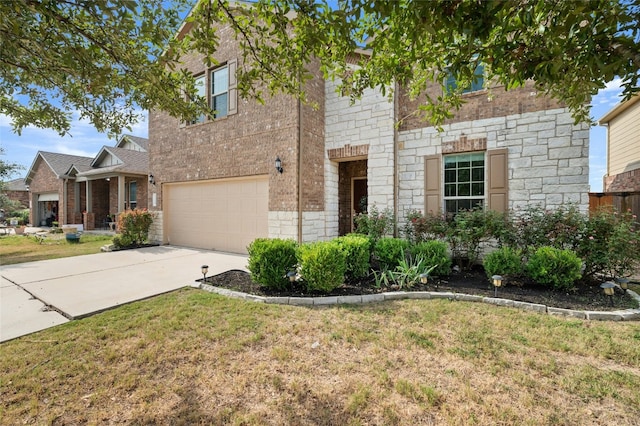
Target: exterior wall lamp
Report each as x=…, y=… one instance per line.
x=152, y=180
x=279, y=165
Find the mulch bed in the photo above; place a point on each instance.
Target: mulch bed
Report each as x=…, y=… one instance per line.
x=474, y=282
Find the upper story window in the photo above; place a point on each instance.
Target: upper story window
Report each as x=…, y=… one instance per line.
x=200, y=91
x=476, y=85
x=464, y=181
x=220, y=91
x=219, y=87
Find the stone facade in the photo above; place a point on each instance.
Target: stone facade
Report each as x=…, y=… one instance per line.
x=548, y=161
x=324, y=150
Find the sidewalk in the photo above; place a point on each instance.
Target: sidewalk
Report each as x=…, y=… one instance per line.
x=75, y=287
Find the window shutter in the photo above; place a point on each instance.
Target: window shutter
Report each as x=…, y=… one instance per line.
x=498, y=180
x=432, y=175
x=233, y=86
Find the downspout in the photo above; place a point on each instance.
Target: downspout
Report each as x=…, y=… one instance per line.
x=396, y=155
x=299, y=161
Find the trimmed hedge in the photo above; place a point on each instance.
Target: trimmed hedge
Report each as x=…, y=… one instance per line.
x=322, y=265
x=390, y=252
x=356, y=250
x=433, y=253
x=554, y=267
x=504, y=261
x=269, y=261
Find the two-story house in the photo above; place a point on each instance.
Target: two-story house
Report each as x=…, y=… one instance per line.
x=285, y=170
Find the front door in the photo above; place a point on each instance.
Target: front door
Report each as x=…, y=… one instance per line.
x=358, y=198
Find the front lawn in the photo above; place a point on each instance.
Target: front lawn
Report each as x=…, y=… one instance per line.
x=22, y=248
x=192, y=357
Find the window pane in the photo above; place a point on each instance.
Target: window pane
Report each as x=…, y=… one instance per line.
x=450, y=190
x=200, y=91
x=220, y=81
x=464, y=175
x=477, y=189
x=464, y=190
x=133, y=192
x=449, y=176
x=220, y=105
x=451, y=206
x=477, y=174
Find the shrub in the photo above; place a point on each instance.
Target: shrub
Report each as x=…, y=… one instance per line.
x=554, y=267
x=322, y=265
x=133, y=226
x=375, y=224
x=421, y=227
x=535, y=227
x=356, y=250
x=389, y=252
x=504, y=261
x=610, y=244
x=270, y=260
x=469, y=230
x=433, y=253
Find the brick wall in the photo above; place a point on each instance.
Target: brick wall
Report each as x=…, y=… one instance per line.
x=44, y=180
x=623, y=182
x=21, y=196
x=496, y=102
x=243, y=144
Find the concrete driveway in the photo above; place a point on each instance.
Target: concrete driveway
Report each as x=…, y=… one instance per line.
x=39, y=295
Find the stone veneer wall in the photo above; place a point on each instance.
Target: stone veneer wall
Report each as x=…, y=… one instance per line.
x=548, y=162
x=369, y=121
x=155, y=230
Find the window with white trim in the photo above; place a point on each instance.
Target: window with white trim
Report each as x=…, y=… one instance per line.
x=133, y=195
x=201, y=90
x=219, y=83
x=464, y=181
x=476, y=85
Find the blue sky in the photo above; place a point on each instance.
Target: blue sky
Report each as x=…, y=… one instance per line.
x=85, y=140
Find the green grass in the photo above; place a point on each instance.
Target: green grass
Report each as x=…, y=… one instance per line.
x=191, y=357
x=21, y=248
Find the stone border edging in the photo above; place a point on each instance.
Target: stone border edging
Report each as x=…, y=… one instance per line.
x=620, y=315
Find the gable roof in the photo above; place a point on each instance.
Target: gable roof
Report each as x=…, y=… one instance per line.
x=140, y=141
x=58, y=163
x=15, y=185
x=129, y=161
x=618, y=109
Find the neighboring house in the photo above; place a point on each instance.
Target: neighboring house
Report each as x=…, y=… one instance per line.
x=621, y=184
x=71, y=189
x=623, y=147
x=217, y=186
x=17, y=190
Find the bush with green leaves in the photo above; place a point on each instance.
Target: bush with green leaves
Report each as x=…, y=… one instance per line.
x=469, y=230
x=427, y=227
x=269, y=261
x=505, y=261
x=375, y=224
x=133, y=228
x=356, y=250
x=534, y=227
x=433, y=253
x=554, y=267
x=610, y=244
x=322, y=266
x=389, y=252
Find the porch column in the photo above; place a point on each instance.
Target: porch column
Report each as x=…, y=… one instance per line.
x=120, y=194
x=88, y=196
x=76, y=199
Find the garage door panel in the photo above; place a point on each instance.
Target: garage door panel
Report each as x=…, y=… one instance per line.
x=224, y=215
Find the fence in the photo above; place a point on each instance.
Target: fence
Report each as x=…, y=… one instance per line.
x=621, y=201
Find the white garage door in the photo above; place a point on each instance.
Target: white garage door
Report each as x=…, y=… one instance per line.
x=223, y=215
